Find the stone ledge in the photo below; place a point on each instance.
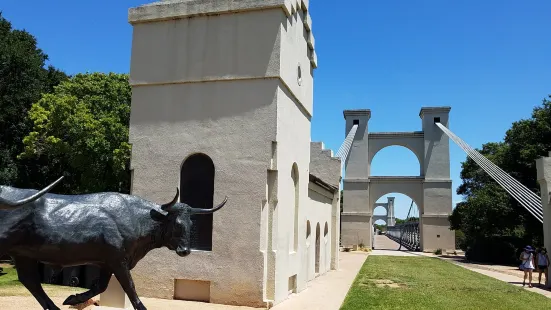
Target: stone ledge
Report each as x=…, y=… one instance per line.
x=361, y=112
x=356, y=180
x=436, y=215
x=430, y=110
x=392, y=179
x=166, y=10
x=356, y=214
x=438, y=181
x=386, y=135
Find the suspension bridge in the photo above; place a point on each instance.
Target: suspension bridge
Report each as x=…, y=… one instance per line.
x=431, y=191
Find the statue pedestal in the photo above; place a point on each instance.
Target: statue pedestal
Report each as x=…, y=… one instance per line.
x=114, y=297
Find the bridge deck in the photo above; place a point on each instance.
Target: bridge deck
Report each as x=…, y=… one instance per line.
x=385, y=246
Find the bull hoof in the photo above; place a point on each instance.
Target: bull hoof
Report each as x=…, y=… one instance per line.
x=72, y=300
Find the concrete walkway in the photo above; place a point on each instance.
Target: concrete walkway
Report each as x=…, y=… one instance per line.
x=328, y=291
x=385, y=246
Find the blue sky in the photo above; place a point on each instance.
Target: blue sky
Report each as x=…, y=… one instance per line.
x=489, y=60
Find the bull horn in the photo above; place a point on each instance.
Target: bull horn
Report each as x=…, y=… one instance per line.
x=7, y=205
x=168, y=206
x=209, y=211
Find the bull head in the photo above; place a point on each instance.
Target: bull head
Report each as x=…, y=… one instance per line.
x=178, y=223
x=6, y=204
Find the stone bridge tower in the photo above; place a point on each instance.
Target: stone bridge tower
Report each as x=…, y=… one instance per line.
x=431, y=190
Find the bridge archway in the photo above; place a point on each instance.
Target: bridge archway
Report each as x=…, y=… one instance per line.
x=408, y=158
x=430, y=188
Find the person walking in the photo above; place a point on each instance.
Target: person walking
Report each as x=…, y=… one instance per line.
x=527, y=265
x=542, y=261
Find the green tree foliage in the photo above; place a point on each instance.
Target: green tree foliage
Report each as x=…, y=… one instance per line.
x=23, y=79
x=493, y=225
x=410, y=219
x=81, y=131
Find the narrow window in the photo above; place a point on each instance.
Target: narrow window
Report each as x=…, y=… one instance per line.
x=295, y=178
x=197, y=190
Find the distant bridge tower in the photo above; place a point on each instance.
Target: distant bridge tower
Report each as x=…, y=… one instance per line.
x=389, y=207
x=431, y=190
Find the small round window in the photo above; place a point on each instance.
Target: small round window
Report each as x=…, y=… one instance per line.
x=299, y=74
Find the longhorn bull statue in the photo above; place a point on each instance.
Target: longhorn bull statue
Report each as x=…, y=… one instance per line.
x=110, y=230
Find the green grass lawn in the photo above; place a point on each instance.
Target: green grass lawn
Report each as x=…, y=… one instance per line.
x=10, y=286
x=430, y=283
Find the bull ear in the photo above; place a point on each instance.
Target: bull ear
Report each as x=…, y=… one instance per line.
x=168, y=206
x=158, y=216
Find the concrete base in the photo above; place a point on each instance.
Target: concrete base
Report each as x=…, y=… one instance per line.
x=436, y=234
x=114, y=297
x=356, y=229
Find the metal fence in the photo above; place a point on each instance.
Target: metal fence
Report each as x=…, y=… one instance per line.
x=407, y=234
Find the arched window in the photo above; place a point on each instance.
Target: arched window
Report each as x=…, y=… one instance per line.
x=197, y=190
x=326, y=230
x=318, y=248
x=295, y=178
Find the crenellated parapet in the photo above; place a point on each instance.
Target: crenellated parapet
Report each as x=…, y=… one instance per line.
x=324, y=165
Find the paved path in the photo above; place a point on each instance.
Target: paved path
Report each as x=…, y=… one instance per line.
x=328, y=291
x=385, y=246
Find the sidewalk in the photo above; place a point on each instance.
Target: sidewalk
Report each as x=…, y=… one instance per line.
x=327, y=292
x=385, y=246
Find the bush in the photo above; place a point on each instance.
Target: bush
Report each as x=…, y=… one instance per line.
x=438, y=252
x=460, y=240
x=497, y=250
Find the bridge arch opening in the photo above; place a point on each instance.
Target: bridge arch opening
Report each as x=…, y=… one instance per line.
x=395, y=160
x=380, y=210
x=402, y=203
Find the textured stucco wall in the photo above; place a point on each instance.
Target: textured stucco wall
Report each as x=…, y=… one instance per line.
x=226, y=82
x=543, y=166
x=164, y=131
x=293, y=141
x=318, y=215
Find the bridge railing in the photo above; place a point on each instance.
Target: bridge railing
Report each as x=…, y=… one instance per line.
x=406, y=234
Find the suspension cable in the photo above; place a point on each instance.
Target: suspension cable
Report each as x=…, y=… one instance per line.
x=526, y=198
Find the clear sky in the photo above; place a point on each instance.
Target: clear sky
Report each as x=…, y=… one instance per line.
x=489, y=60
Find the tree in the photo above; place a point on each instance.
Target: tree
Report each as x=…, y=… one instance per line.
x=23, y=79
x=495, y=225
x=81, y=131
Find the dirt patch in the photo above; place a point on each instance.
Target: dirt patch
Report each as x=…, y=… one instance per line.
x=384, y=283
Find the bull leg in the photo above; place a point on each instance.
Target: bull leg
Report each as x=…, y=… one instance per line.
x=122, y=273
x=28, y=273
x=99, y=287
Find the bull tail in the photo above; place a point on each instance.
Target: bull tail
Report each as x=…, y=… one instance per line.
x=8, y=205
